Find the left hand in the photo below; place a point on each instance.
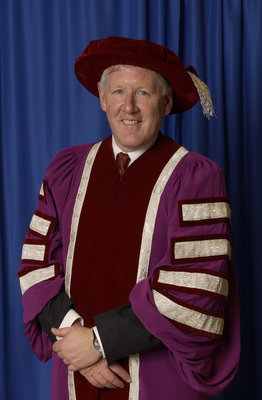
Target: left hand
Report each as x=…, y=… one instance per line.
x=76, y=347
x=101, y=375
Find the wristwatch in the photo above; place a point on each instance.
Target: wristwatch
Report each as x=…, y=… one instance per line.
x=96, y=343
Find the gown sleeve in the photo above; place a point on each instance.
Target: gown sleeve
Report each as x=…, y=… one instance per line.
x=189, y=300
x=42, y=269
x=122, y=333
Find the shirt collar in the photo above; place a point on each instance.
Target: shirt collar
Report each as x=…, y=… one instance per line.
x=132, y=154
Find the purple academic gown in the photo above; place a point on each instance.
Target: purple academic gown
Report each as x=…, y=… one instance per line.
x=186, y=289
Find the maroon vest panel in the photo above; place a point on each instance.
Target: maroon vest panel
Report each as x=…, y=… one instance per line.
x=109, y=238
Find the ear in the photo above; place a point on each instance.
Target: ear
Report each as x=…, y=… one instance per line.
x=101, y=97
x=169, y=102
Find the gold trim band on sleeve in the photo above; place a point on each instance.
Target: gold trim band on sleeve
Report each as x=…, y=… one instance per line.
x=201, y=248
x=33, y=252
x=195, y=280
x=205, y=211
x=186, y=316
x=36, y=276
x=42, y=192
x=40, y=225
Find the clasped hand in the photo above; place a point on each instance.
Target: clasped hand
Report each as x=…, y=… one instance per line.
x=78, y=353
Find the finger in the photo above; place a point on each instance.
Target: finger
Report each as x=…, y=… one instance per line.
x=96, y=380
x=93, y=382
x=111, y=378
x=102, y=378
x=57, y=347
x=104, y=382
x=120, y=371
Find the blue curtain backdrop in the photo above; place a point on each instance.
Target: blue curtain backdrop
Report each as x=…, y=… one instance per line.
x=44, y=108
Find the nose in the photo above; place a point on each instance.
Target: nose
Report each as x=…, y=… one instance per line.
x=129, y=104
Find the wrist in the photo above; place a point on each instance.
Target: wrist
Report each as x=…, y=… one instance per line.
x=96, y=343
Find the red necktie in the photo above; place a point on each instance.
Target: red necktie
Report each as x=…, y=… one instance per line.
x=122, y=161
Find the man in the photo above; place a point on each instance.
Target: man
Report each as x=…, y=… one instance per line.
x=132, y=232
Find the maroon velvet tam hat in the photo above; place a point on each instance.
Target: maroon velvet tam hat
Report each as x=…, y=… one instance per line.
x=103, y=53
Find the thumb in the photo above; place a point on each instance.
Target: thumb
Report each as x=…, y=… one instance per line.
x=60, y=332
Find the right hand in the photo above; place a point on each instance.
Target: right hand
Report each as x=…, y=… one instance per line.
x=76, y=347
x=101, y=375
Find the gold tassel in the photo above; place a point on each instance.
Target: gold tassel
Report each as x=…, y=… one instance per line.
x=204, y=95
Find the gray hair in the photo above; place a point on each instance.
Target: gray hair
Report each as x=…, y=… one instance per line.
x=165, y=85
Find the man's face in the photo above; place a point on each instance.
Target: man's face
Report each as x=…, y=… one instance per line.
x=134, y=105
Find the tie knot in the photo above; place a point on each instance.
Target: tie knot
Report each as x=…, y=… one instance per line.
x=122, y=161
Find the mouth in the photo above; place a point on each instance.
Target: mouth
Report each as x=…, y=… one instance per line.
x=130, y=122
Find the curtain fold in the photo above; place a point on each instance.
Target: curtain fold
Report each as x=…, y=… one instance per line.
x=44, y=109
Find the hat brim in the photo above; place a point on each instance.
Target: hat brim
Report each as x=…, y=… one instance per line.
x=90, y=66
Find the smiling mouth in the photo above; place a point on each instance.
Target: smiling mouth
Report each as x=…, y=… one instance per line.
x=130, y=122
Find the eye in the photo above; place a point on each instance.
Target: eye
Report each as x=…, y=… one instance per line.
x=118, y=91
x=142, y=92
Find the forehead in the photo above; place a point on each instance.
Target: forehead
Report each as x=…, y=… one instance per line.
x=132, y=72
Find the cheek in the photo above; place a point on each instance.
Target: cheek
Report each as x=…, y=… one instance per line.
x=161, y=110
x=157, y=112
x=149, y=109
x=112, y=108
